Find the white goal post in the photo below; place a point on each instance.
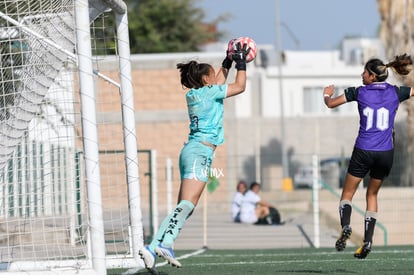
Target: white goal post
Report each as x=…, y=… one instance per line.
x=69, y=177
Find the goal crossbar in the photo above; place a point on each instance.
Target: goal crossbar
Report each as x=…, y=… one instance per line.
x=49, y=42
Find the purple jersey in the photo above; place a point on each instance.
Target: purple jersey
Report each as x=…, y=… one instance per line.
x=377, y=105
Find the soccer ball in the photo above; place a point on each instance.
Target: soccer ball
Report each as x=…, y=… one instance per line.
x=244, y=39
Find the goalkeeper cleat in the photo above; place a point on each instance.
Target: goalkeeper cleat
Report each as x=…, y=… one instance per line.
x=148, y=257
x=345, y=234
x=168, y=255
x=363, y=251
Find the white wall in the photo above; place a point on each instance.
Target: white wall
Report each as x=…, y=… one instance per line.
x=307, y=70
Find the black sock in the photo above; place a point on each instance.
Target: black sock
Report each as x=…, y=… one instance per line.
x=369, y=226
x=345, y=214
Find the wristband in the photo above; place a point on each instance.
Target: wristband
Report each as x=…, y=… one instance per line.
x=227, y=63
x=326, y=95
x=240, y=66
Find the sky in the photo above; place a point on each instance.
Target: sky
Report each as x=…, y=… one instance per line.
x=305, y=24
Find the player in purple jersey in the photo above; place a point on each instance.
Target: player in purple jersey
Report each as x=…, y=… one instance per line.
x=373, y=152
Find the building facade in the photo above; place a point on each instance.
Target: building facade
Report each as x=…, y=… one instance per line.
x=286, y=97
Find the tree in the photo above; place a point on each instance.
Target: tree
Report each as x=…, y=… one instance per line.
x=169, y=26
x=397, y=34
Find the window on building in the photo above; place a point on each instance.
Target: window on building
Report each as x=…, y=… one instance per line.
x=313, y=102
x=348, y=108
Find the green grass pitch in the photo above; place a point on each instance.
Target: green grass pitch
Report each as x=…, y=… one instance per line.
x=388, y=260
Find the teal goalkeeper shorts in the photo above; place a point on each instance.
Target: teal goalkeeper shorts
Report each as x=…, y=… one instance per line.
x=195, y=161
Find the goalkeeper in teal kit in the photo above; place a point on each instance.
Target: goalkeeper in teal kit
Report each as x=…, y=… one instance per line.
x=373, y=151
x=205, y=110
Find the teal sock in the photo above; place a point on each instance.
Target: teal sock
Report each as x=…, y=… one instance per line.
x=180, y=214
x=160, y=233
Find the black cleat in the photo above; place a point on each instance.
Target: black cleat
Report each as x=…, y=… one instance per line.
x=363, y=251
x=345, y=234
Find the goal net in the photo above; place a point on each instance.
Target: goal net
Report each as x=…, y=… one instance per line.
x=69, y=177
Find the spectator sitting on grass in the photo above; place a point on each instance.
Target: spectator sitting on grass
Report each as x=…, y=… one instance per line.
x=237, y=200
x=253, y=208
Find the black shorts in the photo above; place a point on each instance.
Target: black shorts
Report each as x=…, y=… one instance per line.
x=378, y=163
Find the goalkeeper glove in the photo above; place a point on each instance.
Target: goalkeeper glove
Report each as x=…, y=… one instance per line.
x=239, y=56
x=227, y=62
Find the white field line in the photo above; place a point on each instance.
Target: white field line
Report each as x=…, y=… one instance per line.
x=258, y=255
x=305, y=253
x=292, y=261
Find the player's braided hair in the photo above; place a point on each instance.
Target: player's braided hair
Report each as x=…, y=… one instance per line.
x=192, y=73
x=400, y=65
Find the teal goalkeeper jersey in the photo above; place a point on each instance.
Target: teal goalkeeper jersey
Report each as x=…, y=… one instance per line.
x=205, y=109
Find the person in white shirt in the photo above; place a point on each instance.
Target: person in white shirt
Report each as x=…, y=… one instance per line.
x=237, y=200
x=253, y=207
